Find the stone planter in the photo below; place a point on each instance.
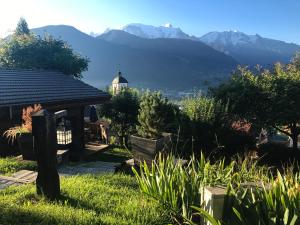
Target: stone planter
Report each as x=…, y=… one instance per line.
x=25, y=143
x=146, y=149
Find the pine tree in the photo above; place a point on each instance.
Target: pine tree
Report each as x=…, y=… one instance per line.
x=152, y=113
x=22, y=27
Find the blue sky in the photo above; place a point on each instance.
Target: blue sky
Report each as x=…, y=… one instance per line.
x=278, y=19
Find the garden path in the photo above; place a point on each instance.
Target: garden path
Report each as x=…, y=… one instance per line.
x=28, y=176
x=88, y=168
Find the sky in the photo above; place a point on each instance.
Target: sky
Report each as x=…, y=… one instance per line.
x=277, y=19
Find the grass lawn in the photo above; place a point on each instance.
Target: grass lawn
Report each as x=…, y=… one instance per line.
x=11, y=165
x=88, y=199
x=102, y=199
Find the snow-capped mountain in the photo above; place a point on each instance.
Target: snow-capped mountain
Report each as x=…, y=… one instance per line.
x=150, y=32
x=250, y=49
x=229, y=38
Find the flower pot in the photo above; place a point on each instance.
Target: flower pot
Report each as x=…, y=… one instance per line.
x=147, y=149
x=25, y=142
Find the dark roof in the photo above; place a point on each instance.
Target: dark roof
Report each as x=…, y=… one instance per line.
x=119, y=79
x=24, y=87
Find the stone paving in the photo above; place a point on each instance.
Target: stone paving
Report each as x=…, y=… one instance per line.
x=18, y=178
x=27, y=176
x=88, y=168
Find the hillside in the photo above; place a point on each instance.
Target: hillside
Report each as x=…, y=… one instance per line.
x=175, y=64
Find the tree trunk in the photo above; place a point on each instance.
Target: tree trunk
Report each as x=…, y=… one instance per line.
x=295, y=143
x=294, y=136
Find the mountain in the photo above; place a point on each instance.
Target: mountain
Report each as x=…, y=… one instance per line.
x=250, y=49
x=184, y=48
x=176, y=64
x=148, y=31
x=245, y=49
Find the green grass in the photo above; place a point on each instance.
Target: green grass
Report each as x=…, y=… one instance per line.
x=102, y=199
x=11, y=165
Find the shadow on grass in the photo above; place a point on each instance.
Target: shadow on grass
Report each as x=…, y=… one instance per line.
x=110, y=155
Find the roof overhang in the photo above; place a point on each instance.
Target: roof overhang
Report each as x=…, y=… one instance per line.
x=66, y=103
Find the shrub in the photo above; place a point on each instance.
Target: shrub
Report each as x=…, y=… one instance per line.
x=12, y=133
x=152, y=115
x=207, y=120
x=27, y=115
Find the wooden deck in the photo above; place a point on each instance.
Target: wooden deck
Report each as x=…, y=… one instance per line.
x=18, y=178
x=62, y=156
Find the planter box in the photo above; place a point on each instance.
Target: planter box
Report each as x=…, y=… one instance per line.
x=146, y=149
x=25, y=143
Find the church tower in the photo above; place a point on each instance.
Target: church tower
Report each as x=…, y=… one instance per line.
x=118, y=83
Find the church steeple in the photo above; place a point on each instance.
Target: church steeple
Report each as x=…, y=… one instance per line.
x=119, y=82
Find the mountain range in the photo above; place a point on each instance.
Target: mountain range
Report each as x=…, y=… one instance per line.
x=245, y=49
x=148, y=31
x=167, y=58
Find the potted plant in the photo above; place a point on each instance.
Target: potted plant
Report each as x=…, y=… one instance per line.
x=150, y=138
x=23, y=133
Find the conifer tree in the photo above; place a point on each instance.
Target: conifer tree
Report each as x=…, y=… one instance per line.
x=22, y=27
x=152, y=115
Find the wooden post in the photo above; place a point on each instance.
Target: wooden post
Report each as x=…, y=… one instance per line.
x=76, y=117
x=44, y=133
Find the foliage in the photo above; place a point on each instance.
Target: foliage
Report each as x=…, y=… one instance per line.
x=276, y=202
x=266, y=98
x=201, y=109
x=12, y=133
x=28, y=51
x=152, y=116
x=11, y=165
x=27, y=115
x=122, y=110
x=206, y=119
x=100, y=199
x=296, y=60
x=177, y=187
x=201, y=212
x=22, y=27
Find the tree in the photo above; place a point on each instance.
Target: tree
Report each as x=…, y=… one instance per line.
x=267, y=98
x=33, y=52
x=22, y=27
x=296, y=60
x=152, y=115
x=122, y=110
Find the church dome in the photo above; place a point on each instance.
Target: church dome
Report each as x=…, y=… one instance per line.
x=119, y=79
